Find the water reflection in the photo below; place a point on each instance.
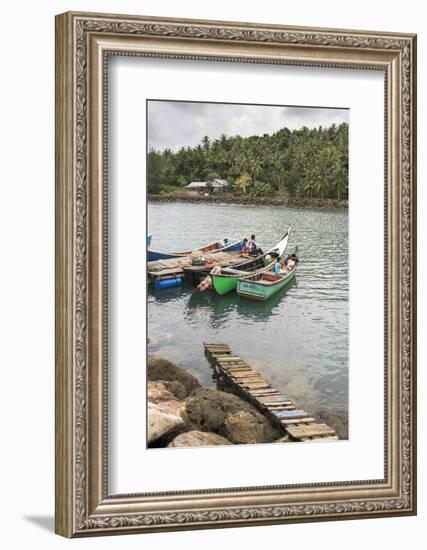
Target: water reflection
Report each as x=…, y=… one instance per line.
x=165, y=295
x=220, y=307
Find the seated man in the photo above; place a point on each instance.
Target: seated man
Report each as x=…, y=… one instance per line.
x=290, y=264
x=280, y=267
x=254, y=250
x=245, y=248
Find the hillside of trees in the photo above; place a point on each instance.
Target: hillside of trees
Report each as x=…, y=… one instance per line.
x=310, y=162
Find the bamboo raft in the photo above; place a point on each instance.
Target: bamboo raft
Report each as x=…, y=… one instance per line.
x=248, y=382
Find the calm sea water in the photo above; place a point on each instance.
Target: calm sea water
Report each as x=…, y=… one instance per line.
x=299, y=338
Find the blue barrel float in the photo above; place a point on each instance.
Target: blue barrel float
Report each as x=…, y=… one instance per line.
x=168, y=283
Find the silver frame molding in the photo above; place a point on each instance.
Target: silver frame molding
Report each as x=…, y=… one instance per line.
x=83, y=43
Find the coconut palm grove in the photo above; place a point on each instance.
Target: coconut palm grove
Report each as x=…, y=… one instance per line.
x=306, y=163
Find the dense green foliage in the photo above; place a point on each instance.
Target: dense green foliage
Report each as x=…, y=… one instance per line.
x=299, y=163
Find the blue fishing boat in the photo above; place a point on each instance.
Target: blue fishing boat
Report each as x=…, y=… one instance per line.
x=225, y=245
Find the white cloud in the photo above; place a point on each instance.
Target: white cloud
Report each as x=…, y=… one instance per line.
x=175, y=124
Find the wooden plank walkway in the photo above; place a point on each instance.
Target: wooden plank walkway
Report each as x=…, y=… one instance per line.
x=174, y=267
x=297, y=423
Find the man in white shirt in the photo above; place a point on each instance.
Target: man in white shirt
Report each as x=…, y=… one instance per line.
x=253, y=247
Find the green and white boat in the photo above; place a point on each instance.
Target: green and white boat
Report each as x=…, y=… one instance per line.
x=226, y=281
x=261, y=286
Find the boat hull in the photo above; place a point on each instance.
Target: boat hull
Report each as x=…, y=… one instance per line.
x=232, y=247
x=153, y=255
x=255, y=290
x=223, y=284
x=195, y=278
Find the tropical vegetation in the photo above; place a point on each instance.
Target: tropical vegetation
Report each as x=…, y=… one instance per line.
x=309, y=162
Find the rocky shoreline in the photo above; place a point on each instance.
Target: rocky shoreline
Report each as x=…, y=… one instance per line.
x=182, y=413
x=252, y=201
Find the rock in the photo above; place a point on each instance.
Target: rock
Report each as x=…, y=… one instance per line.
x=160, y=423
x=166, y=413
x=243, y=427
x=231, y=198
x=217, y=411
x=196, y=438
x=161, y=369
x=175, y=387
x=337, y=421
x=158, y=394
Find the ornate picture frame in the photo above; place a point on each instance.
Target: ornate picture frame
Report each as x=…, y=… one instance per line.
x=83, y=43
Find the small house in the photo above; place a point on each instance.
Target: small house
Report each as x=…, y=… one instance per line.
x=201, y=187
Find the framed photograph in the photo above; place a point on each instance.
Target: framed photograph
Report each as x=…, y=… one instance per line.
x=235, y=274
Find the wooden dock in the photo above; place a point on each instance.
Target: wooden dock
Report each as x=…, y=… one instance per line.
x=174, y=267
x=298, y=424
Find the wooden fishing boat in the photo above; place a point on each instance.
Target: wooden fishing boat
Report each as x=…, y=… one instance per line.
x=261, y=286
x=226, y=245
x=226, y=281
x=196, y=274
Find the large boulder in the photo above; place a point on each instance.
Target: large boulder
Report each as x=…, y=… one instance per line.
x=243, y=427
x=229, y=416
x=159, y=394
x=196, y=438
x=175, y=387
x=160, y=423
x=162, y=369
x=166, y=413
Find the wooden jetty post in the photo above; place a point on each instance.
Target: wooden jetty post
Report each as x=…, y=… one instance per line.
x=248, y=382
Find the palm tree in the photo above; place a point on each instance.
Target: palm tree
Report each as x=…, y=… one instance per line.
x=243, y=182
x=326, y=169
x=301, y=164
x=341, y=182
x=155, y=171
x=240, y=163
x=306, y=162
x=223, y=139
x=206, y=144
x=308, y=184
x=255, y=165
x=279, y=171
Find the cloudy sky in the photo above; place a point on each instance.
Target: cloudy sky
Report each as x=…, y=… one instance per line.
x=175, y=124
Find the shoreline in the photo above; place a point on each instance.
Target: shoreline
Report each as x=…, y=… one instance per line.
x=184, y=413
x=253, y=201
